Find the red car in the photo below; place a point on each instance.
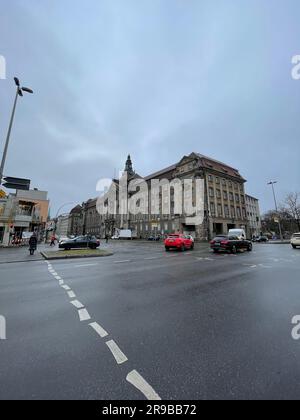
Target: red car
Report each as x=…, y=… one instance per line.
x=180, y=242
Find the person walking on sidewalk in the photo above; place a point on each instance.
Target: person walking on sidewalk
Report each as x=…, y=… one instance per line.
x=53, y=239
x=32, y=244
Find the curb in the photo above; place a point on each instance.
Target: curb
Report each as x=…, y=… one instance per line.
x=73, y=257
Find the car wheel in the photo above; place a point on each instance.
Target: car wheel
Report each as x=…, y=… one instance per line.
x=234, y=250
x=294, y=246
x=182, y=249
x=167, y=249
x=215, y=251
x=249, y=248
x=192, y=247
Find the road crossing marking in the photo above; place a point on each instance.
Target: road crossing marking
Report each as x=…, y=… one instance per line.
x=77, y=304
x=83, y=315
x=139, y=382
x=99, y=330
x=116, y=352
x=71, y=295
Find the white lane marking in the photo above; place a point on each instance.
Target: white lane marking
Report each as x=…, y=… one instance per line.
x=209, y=259
x=151, y=258
x=66, y=287
x=117, y=352
x=142, y=385
x=85, y=265
x=99, y=330
x=58, y=277
x=77, y=304
x=61, y=282
x=121, y=262
x=71, y=295
x=83, y=315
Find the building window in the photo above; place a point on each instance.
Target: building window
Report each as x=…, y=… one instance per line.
x=231, y=196
x=217, y=180
x=210, y=178
x=220, y=211
x=225, y=195
x=230, y=184
x=226, y=209
x=211, y=192
x=212, y=209
x=238, y=212
x=218, y=193
x=237, y=198
x=232, y=212
x=224, y=182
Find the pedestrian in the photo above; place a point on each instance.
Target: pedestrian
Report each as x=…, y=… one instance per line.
x=106, y=238
x=32, y=244
x=53, y=239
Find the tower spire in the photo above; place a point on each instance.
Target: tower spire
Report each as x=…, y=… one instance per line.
x=128, y=166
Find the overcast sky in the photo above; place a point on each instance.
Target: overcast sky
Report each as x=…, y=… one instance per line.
x=155, y=78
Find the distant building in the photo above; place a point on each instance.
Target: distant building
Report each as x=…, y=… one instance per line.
x=224, y=202
x=253, y=215
x=62, y=225
x=23, y=211
x=75, y=221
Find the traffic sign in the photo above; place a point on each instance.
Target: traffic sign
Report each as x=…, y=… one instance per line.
x=16, y=183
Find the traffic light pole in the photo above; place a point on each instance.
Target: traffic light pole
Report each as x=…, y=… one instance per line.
x=8, y=136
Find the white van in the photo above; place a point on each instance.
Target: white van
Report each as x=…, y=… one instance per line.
x=240, y=233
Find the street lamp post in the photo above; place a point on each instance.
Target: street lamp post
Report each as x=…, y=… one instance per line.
x=19, y=92
x=276, y=207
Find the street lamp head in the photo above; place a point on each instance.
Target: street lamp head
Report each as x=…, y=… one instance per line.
x=272, y=182
x=25, y=89
x=17, y=81
x=20, y=93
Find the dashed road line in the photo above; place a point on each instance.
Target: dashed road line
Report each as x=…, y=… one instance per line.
x=116, y=352
x=77, y=304
x=99, y=330
x=83, y=315
x=135, y=379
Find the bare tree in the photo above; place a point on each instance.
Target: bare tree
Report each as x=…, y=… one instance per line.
x=292, y=207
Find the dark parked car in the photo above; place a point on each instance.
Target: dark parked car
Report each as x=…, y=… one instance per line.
x=230, y=244
x=154, y=238
x=80, y=242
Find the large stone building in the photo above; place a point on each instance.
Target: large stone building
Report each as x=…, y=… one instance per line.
x=224, y=202
x=254, y=217
x=75, y=221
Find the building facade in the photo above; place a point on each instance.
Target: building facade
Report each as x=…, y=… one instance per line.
x=75, y=221
x=254, y=217
x=24, y=211
x=224, y=203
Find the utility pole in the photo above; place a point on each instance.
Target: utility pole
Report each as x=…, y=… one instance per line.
x=19, y=92
x=276, y=207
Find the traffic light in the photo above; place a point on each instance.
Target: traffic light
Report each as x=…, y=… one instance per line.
x=16, y=183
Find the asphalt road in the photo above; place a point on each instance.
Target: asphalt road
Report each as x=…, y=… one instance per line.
x=193, y=325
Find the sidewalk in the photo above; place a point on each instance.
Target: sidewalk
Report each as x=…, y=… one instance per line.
x=21, y=254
